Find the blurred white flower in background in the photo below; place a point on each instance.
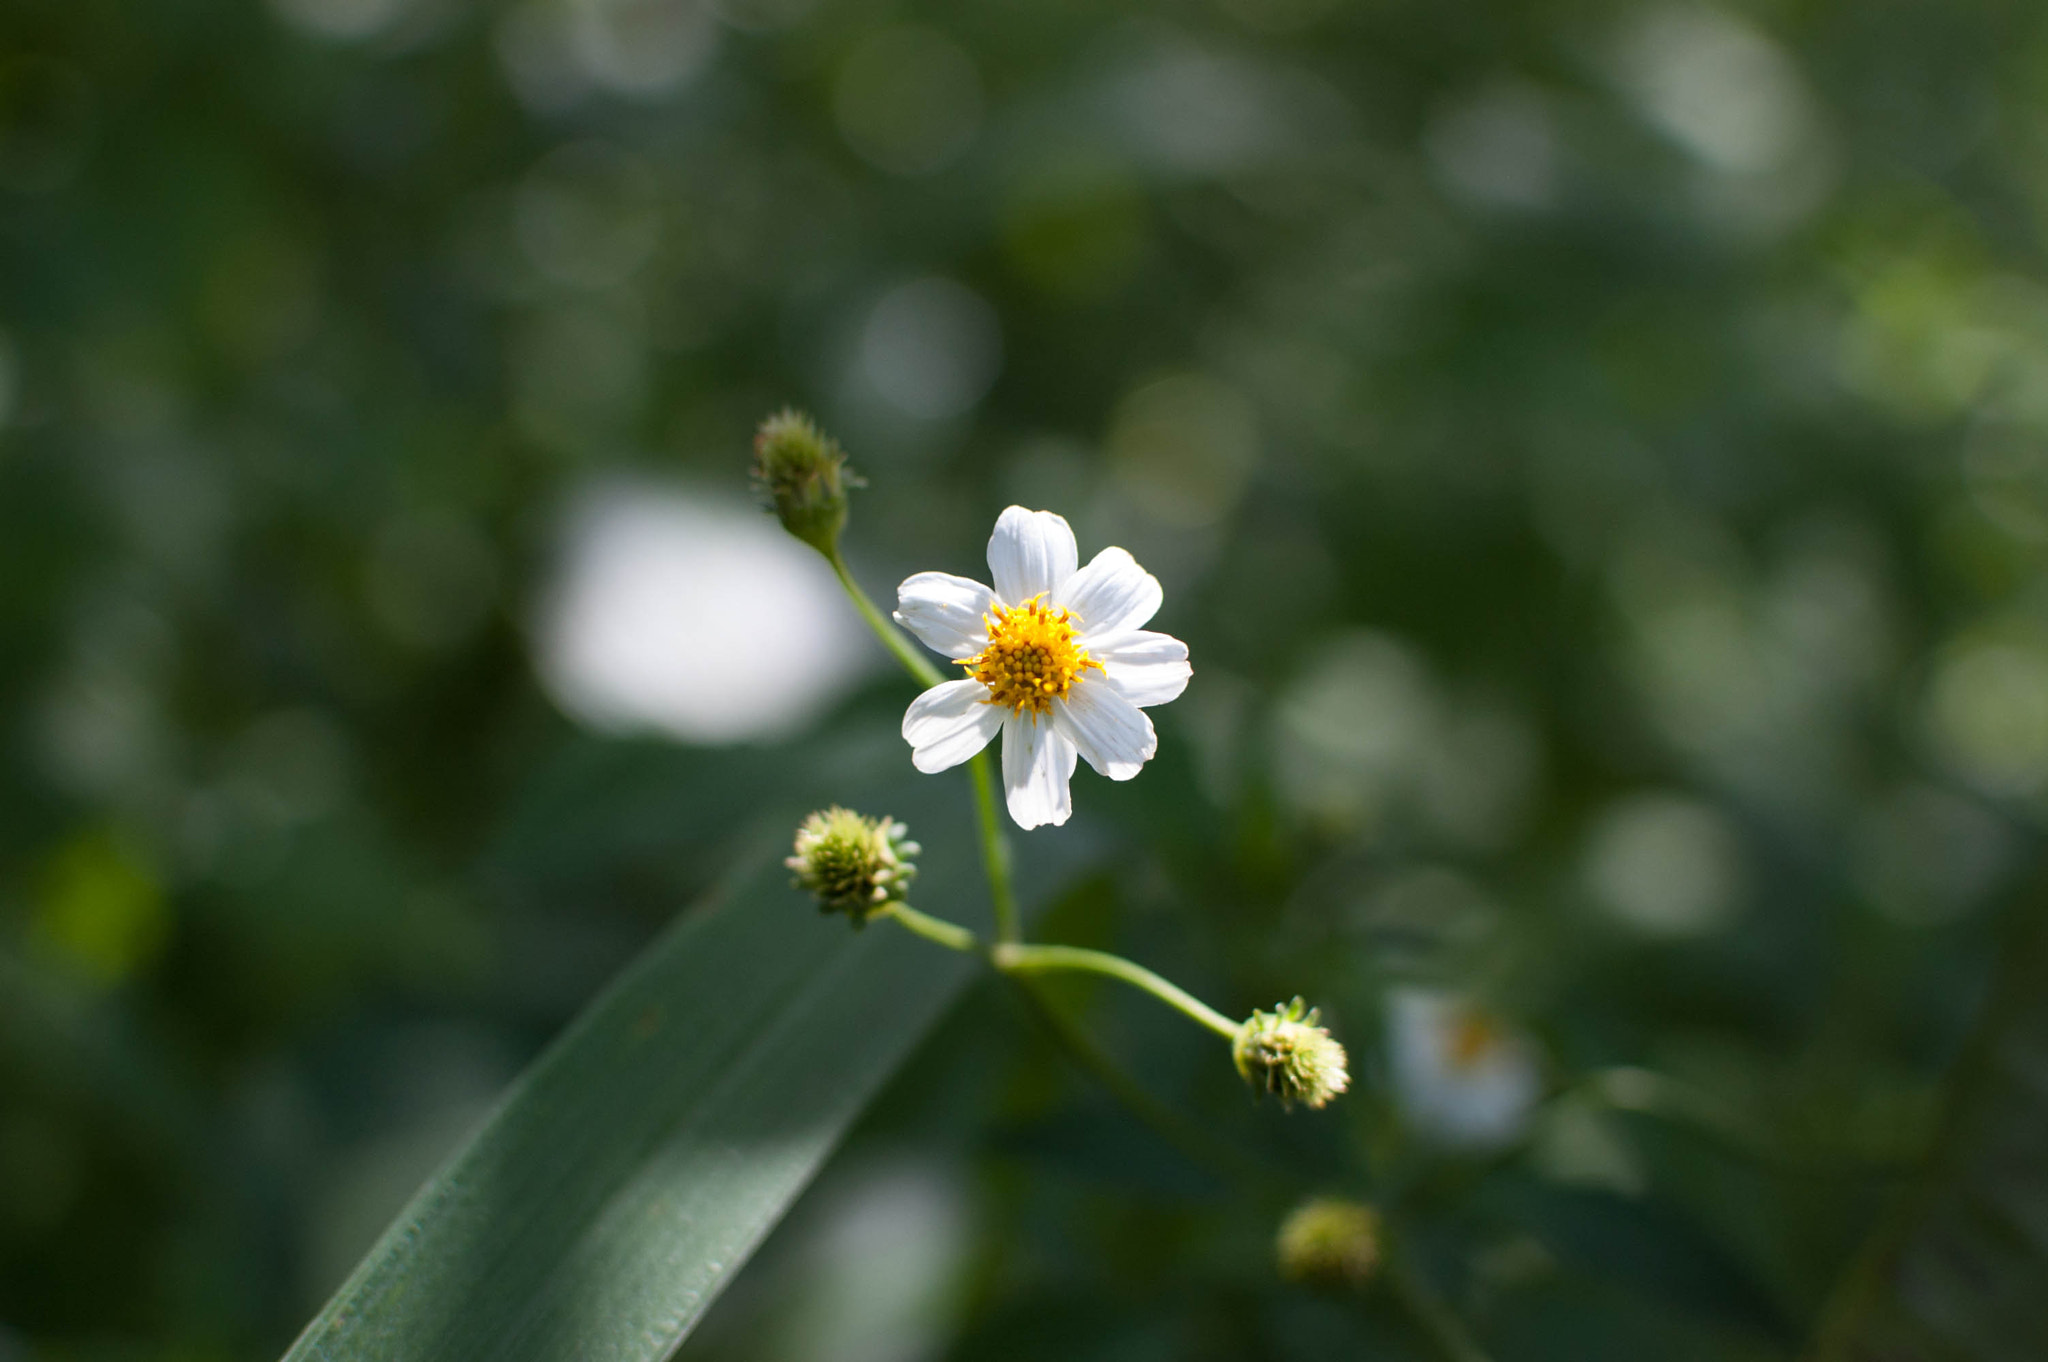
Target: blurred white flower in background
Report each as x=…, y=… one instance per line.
x=1462, y=1077
x=694, y=617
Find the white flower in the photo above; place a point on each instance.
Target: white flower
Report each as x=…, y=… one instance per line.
x=1056, y=658
x=1461, y=1076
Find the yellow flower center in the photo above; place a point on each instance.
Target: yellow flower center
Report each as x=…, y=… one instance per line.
x=1472, y=1039
x=1031, y=658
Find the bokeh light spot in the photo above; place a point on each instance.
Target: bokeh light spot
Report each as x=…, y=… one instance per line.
x=586, y=215
x=1184, y=446
x=1987, y=710
x=102, y=910
x=1496, y=148
x=692, y=617
x=1665, y=865
x=908, y=99
x=340, y=20
x=931, y=348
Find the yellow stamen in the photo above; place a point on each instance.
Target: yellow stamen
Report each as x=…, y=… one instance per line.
x=1473, y=1037
x=1031, y=658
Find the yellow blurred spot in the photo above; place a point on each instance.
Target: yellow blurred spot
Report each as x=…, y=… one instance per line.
x=101, y=910
x=1987, y=708
x=1470, y=1038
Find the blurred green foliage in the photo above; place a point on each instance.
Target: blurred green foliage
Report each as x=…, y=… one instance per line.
x=1596, y=452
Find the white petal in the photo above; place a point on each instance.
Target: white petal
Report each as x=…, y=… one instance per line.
x=948, y=724
x=1031, y=552
x=1037, y=764
x=945, y=612
x=1111, y=732
x=1111, y=593
x=1146, y=668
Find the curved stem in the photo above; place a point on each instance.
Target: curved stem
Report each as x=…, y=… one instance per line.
x=948, y=934
x=1017, y=959
x=995, y=851
x=1198, y=1144
x=1013, y=958
x=1021, y=962
x=1177, y=1129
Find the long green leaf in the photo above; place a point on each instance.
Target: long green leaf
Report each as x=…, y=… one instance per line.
x=632, y=1170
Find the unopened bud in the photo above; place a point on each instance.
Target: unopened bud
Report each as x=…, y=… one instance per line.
x=854, y=865
x=801, y=473
x=1286, y=1053
x=1330, y=1243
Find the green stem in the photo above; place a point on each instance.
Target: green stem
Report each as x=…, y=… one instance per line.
x=1022, y=962
x=1205, y=1149
x=995, y=860
x=1190, y=1139
x=995, y=851
x=950, y=935
x=1013, y=958
x=1017, y=959
x=914, y=662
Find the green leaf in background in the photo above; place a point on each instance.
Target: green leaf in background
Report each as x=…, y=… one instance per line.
x=1960, y=1270
x=1653, y=1248
x=634, y=1168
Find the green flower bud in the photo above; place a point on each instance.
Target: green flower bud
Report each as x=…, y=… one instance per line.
x=1330, y=1243
x=1285, y=1053
x=801, y=473
x=854, y=865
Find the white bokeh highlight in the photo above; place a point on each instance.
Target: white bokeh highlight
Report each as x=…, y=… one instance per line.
x=340, y=20
x=1666, y=865
x=1497, y=148
x=693, y=617
x=931, y=348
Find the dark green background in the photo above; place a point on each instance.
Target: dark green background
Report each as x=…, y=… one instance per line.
x=1554, y=424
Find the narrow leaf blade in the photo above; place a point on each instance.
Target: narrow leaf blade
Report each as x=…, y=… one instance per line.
x=636, y=1165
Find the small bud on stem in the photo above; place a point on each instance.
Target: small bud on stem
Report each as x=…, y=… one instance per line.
x=854, y=865
x=1330, y=1243
x=801, y=473
x=1286, y=1053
